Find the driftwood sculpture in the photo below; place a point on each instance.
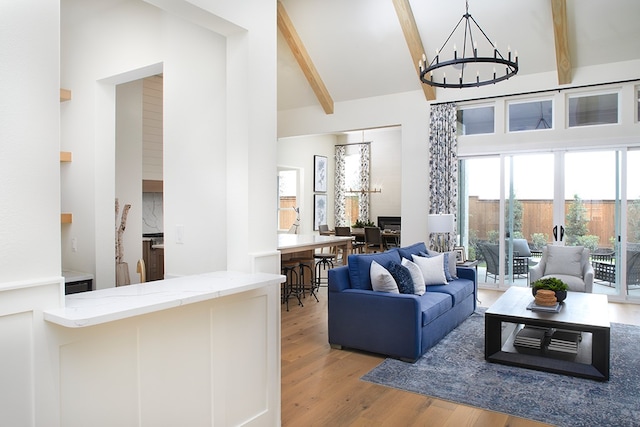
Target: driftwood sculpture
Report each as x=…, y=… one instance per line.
x=122, y=268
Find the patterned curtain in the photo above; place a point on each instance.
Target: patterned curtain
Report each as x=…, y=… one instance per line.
x=363, y=205
x=339, y=202
x=443, y=166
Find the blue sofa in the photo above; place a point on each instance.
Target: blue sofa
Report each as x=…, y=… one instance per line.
x=400, y=325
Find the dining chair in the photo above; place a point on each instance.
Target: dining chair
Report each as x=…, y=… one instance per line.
x=356, y=246
x=373, y=240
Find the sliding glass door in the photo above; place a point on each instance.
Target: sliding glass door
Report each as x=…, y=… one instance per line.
x=529, y=213
x=479, y=214
x=631, y=255
x=514, y=205
x=592, y=212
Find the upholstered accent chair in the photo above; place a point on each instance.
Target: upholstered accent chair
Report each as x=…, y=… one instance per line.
x=568, y=263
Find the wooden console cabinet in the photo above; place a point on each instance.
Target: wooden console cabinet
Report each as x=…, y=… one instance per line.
x=153, y=260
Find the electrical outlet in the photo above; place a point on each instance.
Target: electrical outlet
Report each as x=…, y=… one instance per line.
x=74, y=244
x=180, y=234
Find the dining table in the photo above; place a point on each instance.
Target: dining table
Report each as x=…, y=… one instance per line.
x=390, y=237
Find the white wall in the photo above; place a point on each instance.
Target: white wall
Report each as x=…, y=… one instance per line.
x=219, y=129
x=152, y=119
x=410, y=111
x=128, y=169
x=30, y=278
x=29, y=141
x=297, y=153
x=194, y=150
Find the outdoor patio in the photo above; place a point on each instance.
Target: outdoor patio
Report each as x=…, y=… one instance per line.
x=599, y=286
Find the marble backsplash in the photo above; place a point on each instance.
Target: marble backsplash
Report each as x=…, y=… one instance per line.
x=152, y=219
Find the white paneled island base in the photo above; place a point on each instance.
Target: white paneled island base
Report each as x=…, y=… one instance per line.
x=191, y=351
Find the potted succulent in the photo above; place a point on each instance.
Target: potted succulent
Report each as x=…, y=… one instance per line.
x=552, y=284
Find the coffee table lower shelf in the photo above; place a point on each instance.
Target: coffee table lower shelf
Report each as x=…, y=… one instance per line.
x=585, y=313
x=578, y=365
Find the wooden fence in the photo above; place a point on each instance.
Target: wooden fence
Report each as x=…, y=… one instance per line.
x=537, y=217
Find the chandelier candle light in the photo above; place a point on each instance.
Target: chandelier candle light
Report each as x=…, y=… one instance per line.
x=484, y=66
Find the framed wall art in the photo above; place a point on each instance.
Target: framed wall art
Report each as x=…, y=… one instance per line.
x=319, y=210
x=320, y=174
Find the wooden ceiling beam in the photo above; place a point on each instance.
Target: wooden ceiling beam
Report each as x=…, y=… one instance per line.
x=304, y=60
x=563, y=57
x=412, y=36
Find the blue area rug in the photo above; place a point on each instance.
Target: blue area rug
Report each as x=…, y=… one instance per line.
x=455, y=370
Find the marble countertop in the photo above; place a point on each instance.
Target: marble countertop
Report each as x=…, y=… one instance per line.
x=293, y=241
x=107, y=305
x=71, y=276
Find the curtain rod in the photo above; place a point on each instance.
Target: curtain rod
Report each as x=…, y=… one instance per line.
x=353, y=143
x=534, y=92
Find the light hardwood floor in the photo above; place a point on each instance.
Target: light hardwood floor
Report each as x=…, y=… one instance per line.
x=322, y=387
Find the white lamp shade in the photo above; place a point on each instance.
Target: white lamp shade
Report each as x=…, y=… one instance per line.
x=440, y=223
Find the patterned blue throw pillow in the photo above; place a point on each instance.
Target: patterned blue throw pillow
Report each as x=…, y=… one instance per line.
x=402, y=276
x=447, y=273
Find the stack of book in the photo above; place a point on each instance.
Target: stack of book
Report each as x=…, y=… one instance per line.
x=530, y=337
x=565, y=341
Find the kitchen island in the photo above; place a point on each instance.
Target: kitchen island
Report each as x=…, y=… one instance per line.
x=195, y=350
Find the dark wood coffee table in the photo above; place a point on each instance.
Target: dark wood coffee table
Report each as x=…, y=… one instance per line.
x=585, y=313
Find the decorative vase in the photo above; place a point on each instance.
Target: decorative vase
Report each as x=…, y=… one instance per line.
x=560, y=295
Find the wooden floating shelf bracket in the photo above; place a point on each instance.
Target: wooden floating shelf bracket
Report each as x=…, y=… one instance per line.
x=65, y=95
x=65, y=156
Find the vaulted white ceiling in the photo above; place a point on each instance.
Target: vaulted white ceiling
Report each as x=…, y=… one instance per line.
x=359, y=50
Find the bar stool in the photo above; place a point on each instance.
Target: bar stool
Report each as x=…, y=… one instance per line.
x=324, y=263
x=291, y=286
x=306, y=265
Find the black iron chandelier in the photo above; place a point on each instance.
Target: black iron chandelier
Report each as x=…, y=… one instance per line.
x=470, y=69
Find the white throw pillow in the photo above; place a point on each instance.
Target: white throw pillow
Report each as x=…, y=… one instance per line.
x=432, y=269
x=453, y=271
x=381, y=279
x=564, y=260
x=416, y=274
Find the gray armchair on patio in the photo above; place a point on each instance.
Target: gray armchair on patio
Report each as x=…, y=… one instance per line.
x=605, y=270
x=491, y=254
x=567, y=263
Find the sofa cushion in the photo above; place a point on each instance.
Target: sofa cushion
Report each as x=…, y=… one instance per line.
x=402, y=276
x=381, y=279
x=521, y=248
x=416, y=275
x=433, y=305
x=360, y=264
x=431, y=268
x=414, y=249
x=564, y=260
x=451, y=262
x=458, y=289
